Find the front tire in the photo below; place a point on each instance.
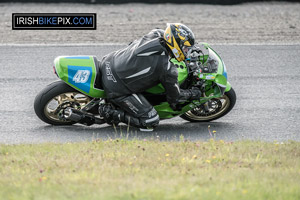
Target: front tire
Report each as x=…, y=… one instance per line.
x=50, y=103
x=215, y=109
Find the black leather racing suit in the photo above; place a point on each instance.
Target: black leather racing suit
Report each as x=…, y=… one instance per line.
x=128, y=72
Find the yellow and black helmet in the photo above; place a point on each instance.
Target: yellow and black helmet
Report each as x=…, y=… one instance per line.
x=179, y=38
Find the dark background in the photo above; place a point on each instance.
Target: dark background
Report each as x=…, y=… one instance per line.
x=220, y=2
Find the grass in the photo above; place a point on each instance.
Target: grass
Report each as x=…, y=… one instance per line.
x=135, y=169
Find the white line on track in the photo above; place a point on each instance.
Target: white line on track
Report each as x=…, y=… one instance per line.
x=113, y=44
x=62, y=45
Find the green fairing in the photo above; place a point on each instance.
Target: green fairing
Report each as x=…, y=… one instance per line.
x=164, y=110
x=228, y=86
x=61, y=67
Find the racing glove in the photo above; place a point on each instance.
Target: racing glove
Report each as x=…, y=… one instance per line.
x=195, y=94
x=190, y=94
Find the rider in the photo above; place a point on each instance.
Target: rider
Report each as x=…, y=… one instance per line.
x=141, y=65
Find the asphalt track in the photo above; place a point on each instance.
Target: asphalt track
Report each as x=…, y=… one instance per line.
x=266, y=79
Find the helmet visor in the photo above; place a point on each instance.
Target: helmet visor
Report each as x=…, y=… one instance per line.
x=186, y=50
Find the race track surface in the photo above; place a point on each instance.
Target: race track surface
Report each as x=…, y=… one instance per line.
x=266, y=80
x=257, y=22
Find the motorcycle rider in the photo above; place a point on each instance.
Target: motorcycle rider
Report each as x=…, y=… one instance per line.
x=141, y=65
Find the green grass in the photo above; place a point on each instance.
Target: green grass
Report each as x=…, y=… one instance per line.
x=134, y=169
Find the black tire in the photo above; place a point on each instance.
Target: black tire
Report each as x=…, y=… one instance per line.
x=46, y=95
x=229, y=96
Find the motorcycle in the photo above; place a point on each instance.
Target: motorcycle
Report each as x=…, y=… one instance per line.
x=75, y=98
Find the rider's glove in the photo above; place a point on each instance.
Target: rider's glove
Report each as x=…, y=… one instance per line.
x=195, y=93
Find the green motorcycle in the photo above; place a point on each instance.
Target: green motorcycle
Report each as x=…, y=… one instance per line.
x=76, y=97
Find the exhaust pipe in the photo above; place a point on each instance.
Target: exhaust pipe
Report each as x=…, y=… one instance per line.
x=81, y=117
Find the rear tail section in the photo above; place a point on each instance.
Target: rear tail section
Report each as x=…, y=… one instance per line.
x=81, y=73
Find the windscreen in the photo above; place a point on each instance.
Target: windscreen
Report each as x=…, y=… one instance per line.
x=212, y=63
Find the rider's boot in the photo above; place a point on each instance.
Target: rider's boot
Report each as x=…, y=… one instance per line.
x=113, y=116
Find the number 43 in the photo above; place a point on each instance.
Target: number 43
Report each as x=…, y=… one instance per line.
x=81, y=76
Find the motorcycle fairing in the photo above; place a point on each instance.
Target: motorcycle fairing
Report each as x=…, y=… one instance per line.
x=166, y=112
x=219, y=78
x=79, y=72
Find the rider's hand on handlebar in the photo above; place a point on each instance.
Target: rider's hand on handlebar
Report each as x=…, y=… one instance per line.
x=195, y=93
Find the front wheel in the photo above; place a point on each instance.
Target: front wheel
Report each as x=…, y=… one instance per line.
x=50, y=103
x=213, y=109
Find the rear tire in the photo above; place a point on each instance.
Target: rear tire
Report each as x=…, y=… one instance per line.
x=48, y=94
x=224, y=106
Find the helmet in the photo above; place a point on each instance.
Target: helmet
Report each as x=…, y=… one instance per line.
x=180, y=39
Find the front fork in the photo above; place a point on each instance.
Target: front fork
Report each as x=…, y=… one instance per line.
x=206, y=104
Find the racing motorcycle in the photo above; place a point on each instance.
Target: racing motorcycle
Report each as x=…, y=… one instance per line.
x=75, y=98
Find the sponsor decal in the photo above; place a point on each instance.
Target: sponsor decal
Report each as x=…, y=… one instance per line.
x=131, y=106
x=109, y=73
x=175, y=52
x=56, y=21
x=183, y=32
x=80, y=77
x=167, y=36
x=209, y=77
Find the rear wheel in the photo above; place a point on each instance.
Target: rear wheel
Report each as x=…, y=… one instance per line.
x=50, y=103
x=213, y=109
